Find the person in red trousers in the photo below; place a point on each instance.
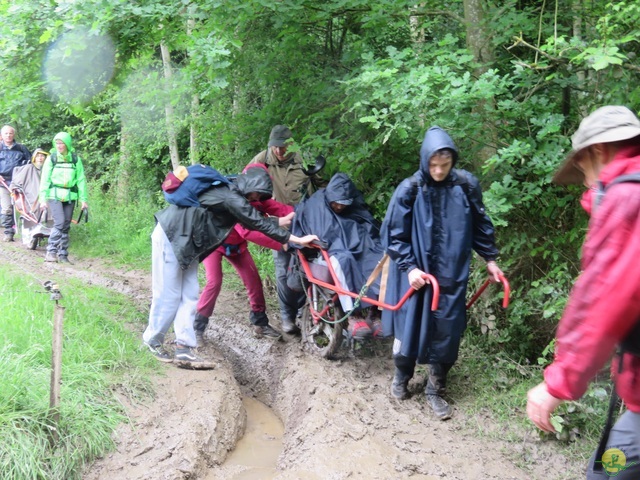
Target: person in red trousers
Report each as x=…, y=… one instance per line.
x=235, y=250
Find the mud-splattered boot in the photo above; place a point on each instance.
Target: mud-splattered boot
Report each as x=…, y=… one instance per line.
x=200, y=325
x=435, y=390
x=289, y=326
x=399, y=385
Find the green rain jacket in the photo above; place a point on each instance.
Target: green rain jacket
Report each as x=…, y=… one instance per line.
x=63, y=175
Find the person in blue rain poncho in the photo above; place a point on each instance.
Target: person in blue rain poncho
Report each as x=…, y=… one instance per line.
x=433, y=222
x=339, y=216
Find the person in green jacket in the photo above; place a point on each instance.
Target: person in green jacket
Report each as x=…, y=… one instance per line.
x=62, y=185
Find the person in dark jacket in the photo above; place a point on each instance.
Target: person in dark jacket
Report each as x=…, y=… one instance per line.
x=339, y=216
x=434, y=220
x=12, y=155
x=235, y=250
x=185, y=235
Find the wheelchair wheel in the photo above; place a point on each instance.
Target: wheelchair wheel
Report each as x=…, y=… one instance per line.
x=323, y=338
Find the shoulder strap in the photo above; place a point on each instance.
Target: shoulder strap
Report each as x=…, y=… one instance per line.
x=463, y=180
x=54, y=158
x=630, y=178
x=415, y=186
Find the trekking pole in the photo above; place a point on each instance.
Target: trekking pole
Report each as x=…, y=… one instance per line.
x=84, y=212
x=56, y=358
x=505, y=285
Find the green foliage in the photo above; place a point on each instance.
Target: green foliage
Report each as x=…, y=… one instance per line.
x=119, y=231
x=496, y=386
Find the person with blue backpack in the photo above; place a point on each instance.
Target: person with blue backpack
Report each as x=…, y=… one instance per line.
x=602, y=316
x=235, y=250
x=204, y=209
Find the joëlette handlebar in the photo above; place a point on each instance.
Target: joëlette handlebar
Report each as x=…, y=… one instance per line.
x=335, y=287
x=505, y=285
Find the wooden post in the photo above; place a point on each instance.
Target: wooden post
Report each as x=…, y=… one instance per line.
x=56, y=360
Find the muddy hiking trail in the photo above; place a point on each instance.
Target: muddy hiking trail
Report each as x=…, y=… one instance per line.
x=335, y=418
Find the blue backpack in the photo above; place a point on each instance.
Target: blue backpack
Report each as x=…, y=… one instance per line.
x=185, y=193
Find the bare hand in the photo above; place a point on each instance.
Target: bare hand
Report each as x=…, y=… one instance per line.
x=415, y=279
x=85, y=206
x=286, y=220
x=494, y=272
x=305, y=241
x=540, y=405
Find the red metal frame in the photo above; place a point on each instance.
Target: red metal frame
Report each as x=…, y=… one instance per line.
x=338, y=290
x=20, y=201
x=507, y=292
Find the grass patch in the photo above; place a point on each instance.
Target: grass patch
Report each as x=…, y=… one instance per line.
x=101, y=355
x=494, y=387
x=118, y=232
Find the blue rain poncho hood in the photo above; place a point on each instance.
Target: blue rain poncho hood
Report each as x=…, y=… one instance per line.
x=435, y=139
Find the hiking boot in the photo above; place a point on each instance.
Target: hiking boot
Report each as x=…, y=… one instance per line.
x=160, y=353
x=359, y=329
x=374, y=322
x=8, y=237
x=266, y=331
x=289, y=326
x=200, y=323
x=186, y=357
x=200, y=338
x=399, y=385
x=50, y=257
x=64, y=259
x=440, y=407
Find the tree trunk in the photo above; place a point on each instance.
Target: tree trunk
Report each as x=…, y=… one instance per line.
x=477, y=35
x=478, y=43
x=417, y=38
x=193, y=133
x=168, y=108
x=194, y=154
x=122, y=182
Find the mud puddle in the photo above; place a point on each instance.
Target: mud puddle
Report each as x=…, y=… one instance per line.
x=257, y=452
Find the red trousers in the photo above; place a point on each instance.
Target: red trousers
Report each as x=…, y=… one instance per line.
x=246, y=268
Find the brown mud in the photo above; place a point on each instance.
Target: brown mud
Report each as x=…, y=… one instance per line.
x=338, y=419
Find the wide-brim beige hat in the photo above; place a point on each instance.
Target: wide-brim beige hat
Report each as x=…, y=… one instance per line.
x=607, y=124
